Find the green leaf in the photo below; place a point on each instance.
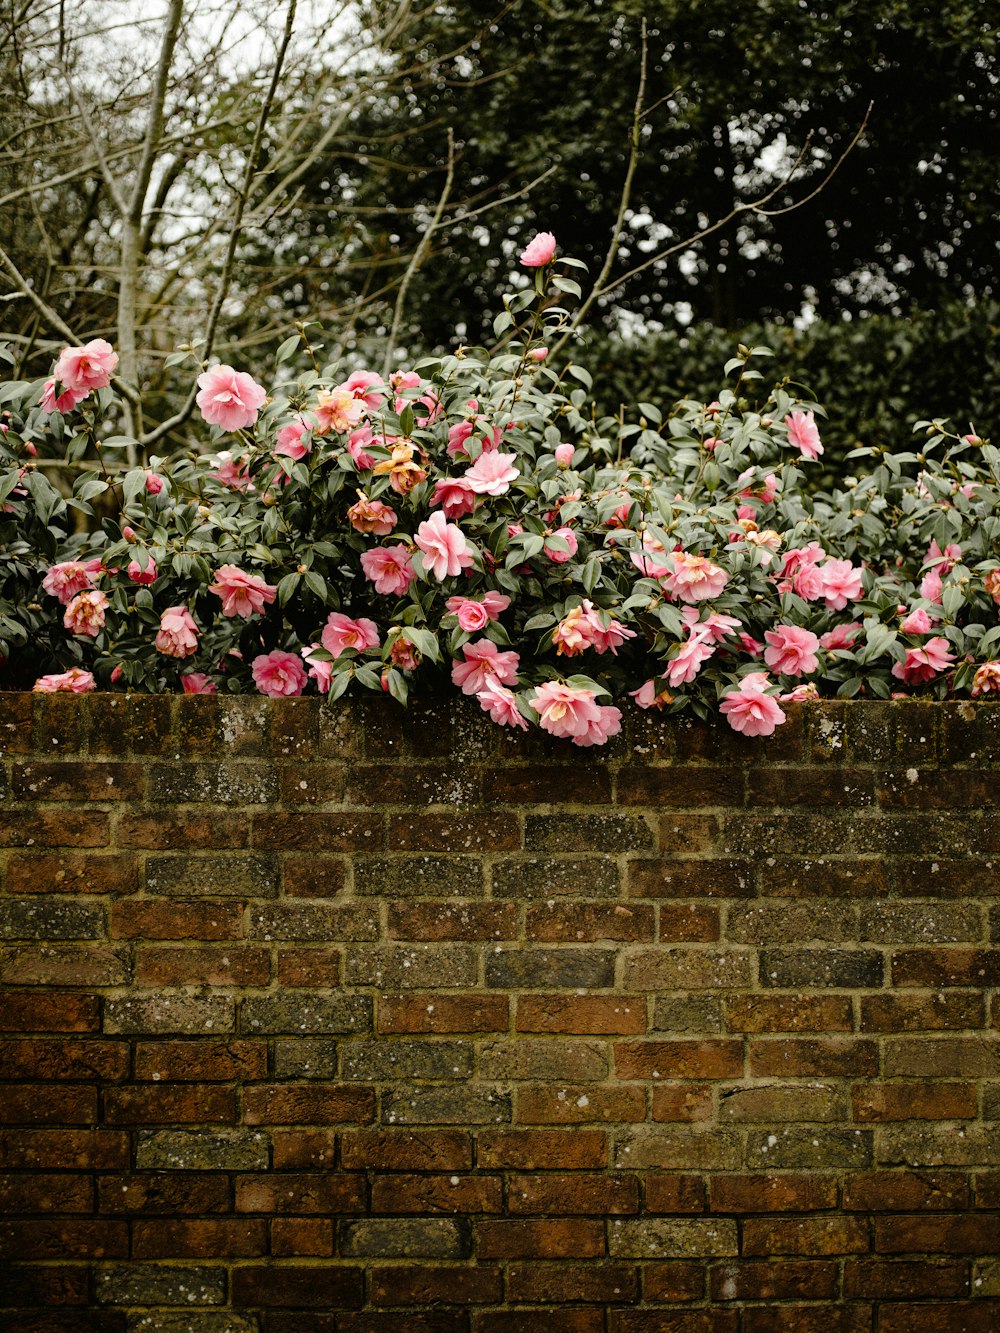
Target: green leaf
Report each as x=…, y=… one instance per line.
x=287, y=349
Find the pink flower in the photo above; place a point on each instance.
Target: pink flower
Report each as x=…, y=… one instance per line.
x=804, y=434
x=650, y=566
x=946, y=558
x=356, y=442
x=606, y=637
x=501, y=705
x=69, y=577
x=178, y=634
x=803, y=693
x=749, y=710
x=476, y=615
x=809, y=583
x=647, y=695
x=841, y=583
x=693, y=577
x=690, y=658
x=229, y=398
x=792, y=650
x=338, y=410
x=82, y=369
x=242, y=594
x=409, y=379
x=492, y=473
x=917, y=622
x=154, y=484
x=538, y=353
x=475, y=424
x=290, y=443
x=565, y=711
x=564, y=455
x=555, y=554
x=841, y=636
x=930, y=586
x=715, y=627
x=73, y=681
x=446, y=551
x=455, y=496
x=85, y=613
x=484, y=665
x=278, y=674
x=389, y=569
x=320, y=670
x=361, y=383
x=608, y=723
x=922, y=664
x=986, y=679
x=539, y=251
x=372, y=516
x=749, y=644
x=232, y=472
x=341, y=633
x=196, y=682
x=573, y=635
x=67, y=401
x=991, y=583
x=139, y=575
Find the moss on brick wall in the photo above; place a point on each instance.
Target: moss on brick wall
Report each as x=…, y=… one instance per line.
x=364, y=1021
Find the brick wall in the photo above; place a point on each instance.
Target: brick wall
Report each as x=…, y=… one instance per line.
x=356, y=1020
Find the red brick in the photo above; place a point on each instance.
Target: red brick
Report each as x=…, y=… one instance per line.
x=427, y=1194
x=200, y=1060
x=678, y=1280
x=936, y=1235
x=301, y=1237
x=807, y=1319
x=48, y=1104
x=679, y=1059
x=663, y=878
x=425, y=1285
x=42, y=1193
x=443, y=1013
x=582, y=1015
x=84, y=1149
x=27, y=1285
x=453, y=921
x=315, y=1192
x=987, y=1189
x=553, y=1193
x=878, y=1279
x=166, y=1104
x=578, y=922
x=538, y=1321
x=64, y=1240
x=308, y=967
x=297, y=1287
x=323, y=832
x=72, y=872
x=581, y=1104
x=302, y=1104
x=313, y=876
x=407, y=1150
x=905, y=1191
x=579, y=784
x=92, y=965
x=789, y=1013
x=922, y=1012
x=682, y=1103
x=568, y=1283
x=549, y=1239
x=163, y=1192
x=54, y=828
x=52, y=1059
x=763, y=1280
x=170, y=919
x=182, y=830
x=454, y=1322
x=946, y=967
x=806, y=1235
x=537, y=1149
x=979, y=1316
x=914, y=1101
x=670, y=1321
x=28, y=1011
x=822, y=1057
x=684, y=785
x=303, y=1149
x=313, y=784
x=199, y=1238
x=92, y=780
x=428, y=832
x=187, y=966
x=783, y=1193
x=674, y=1194
x=688, y=923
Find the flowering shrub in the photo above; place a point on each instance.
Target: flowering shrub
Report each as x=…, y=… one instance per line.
x=474, y=523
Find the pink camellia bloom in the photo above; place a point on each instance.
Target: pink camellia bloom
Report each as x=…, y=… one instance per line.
x=178, y=634
x=606, y=637
x=196, y=682
x=690, y=658
x=320, y=670
x=539, y=251
x=446, y=551
x=987, y=679
x=930, y=586
x=338, y=410
x=372, y=516
x=715, y=627
x=73, y=681
x=356, y=447
x=648, y=696
x=991, y=583
x=917, y=622
x=154, y=484
x=233, y=472
x=475, y=615
x=808, y=582
x=389, y=569
x=67, y=401
x=555, y=554
x=242, y=594
x=455, y=496
x=139, y=575
x=409, y=379
x=804, y=693
x=791, y=650
x=693, y=577
x=290, y=443
x=841, y=636
x=841, y=583
x=84, y=616
x=564, y=455
x=361, y=383
x=573, y=635
x=563, y=710
x=128, y=533
x=402, y=652
x=492, y=473
x=804, y=434
x=484, y=665
x=651, y=560
x=538, y=354
x=749, y=710
x=749, y=644
x=229, y=398
x=278, y=674
x=341, y=632
x=501, y=705
x=923, y=664
x=69, y=577
x=946, y=558
x=608, y=723
x=82, y=369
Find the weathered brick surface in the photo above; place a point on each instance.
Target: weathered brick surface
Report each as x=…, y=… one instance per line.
x=354, y=1021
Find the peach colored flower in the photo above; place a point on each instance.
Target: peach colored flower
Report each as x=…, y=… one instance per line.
x=73, y=681
x=992, y=584
x=389, y=569
x=930, y=586
x=749, y=710
x=791, y=650
x=84, y=616
x=69, y=577
x=538, y=353
x=82, y=369
x=242, y=594
x=362, y=384
x=804, y=434
x=573, y=635
x=809, y=583
x=650, y=560
x=501, y=704
x=404, y=474
x=986, y=679
x=153, y=483
x=693, y=578
x=455, y=496
x=484, y=664
x=178, y=634
x=565, y=711
x=196, y=682
x=278, y=674
x=924, y=663
x=341, y=633
x=402, y=653
x=372, y=516
x=229, y=398
x=492, y=473
x=804, y=693
x=446, y=551
x=338, y=410
x=539, y=251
